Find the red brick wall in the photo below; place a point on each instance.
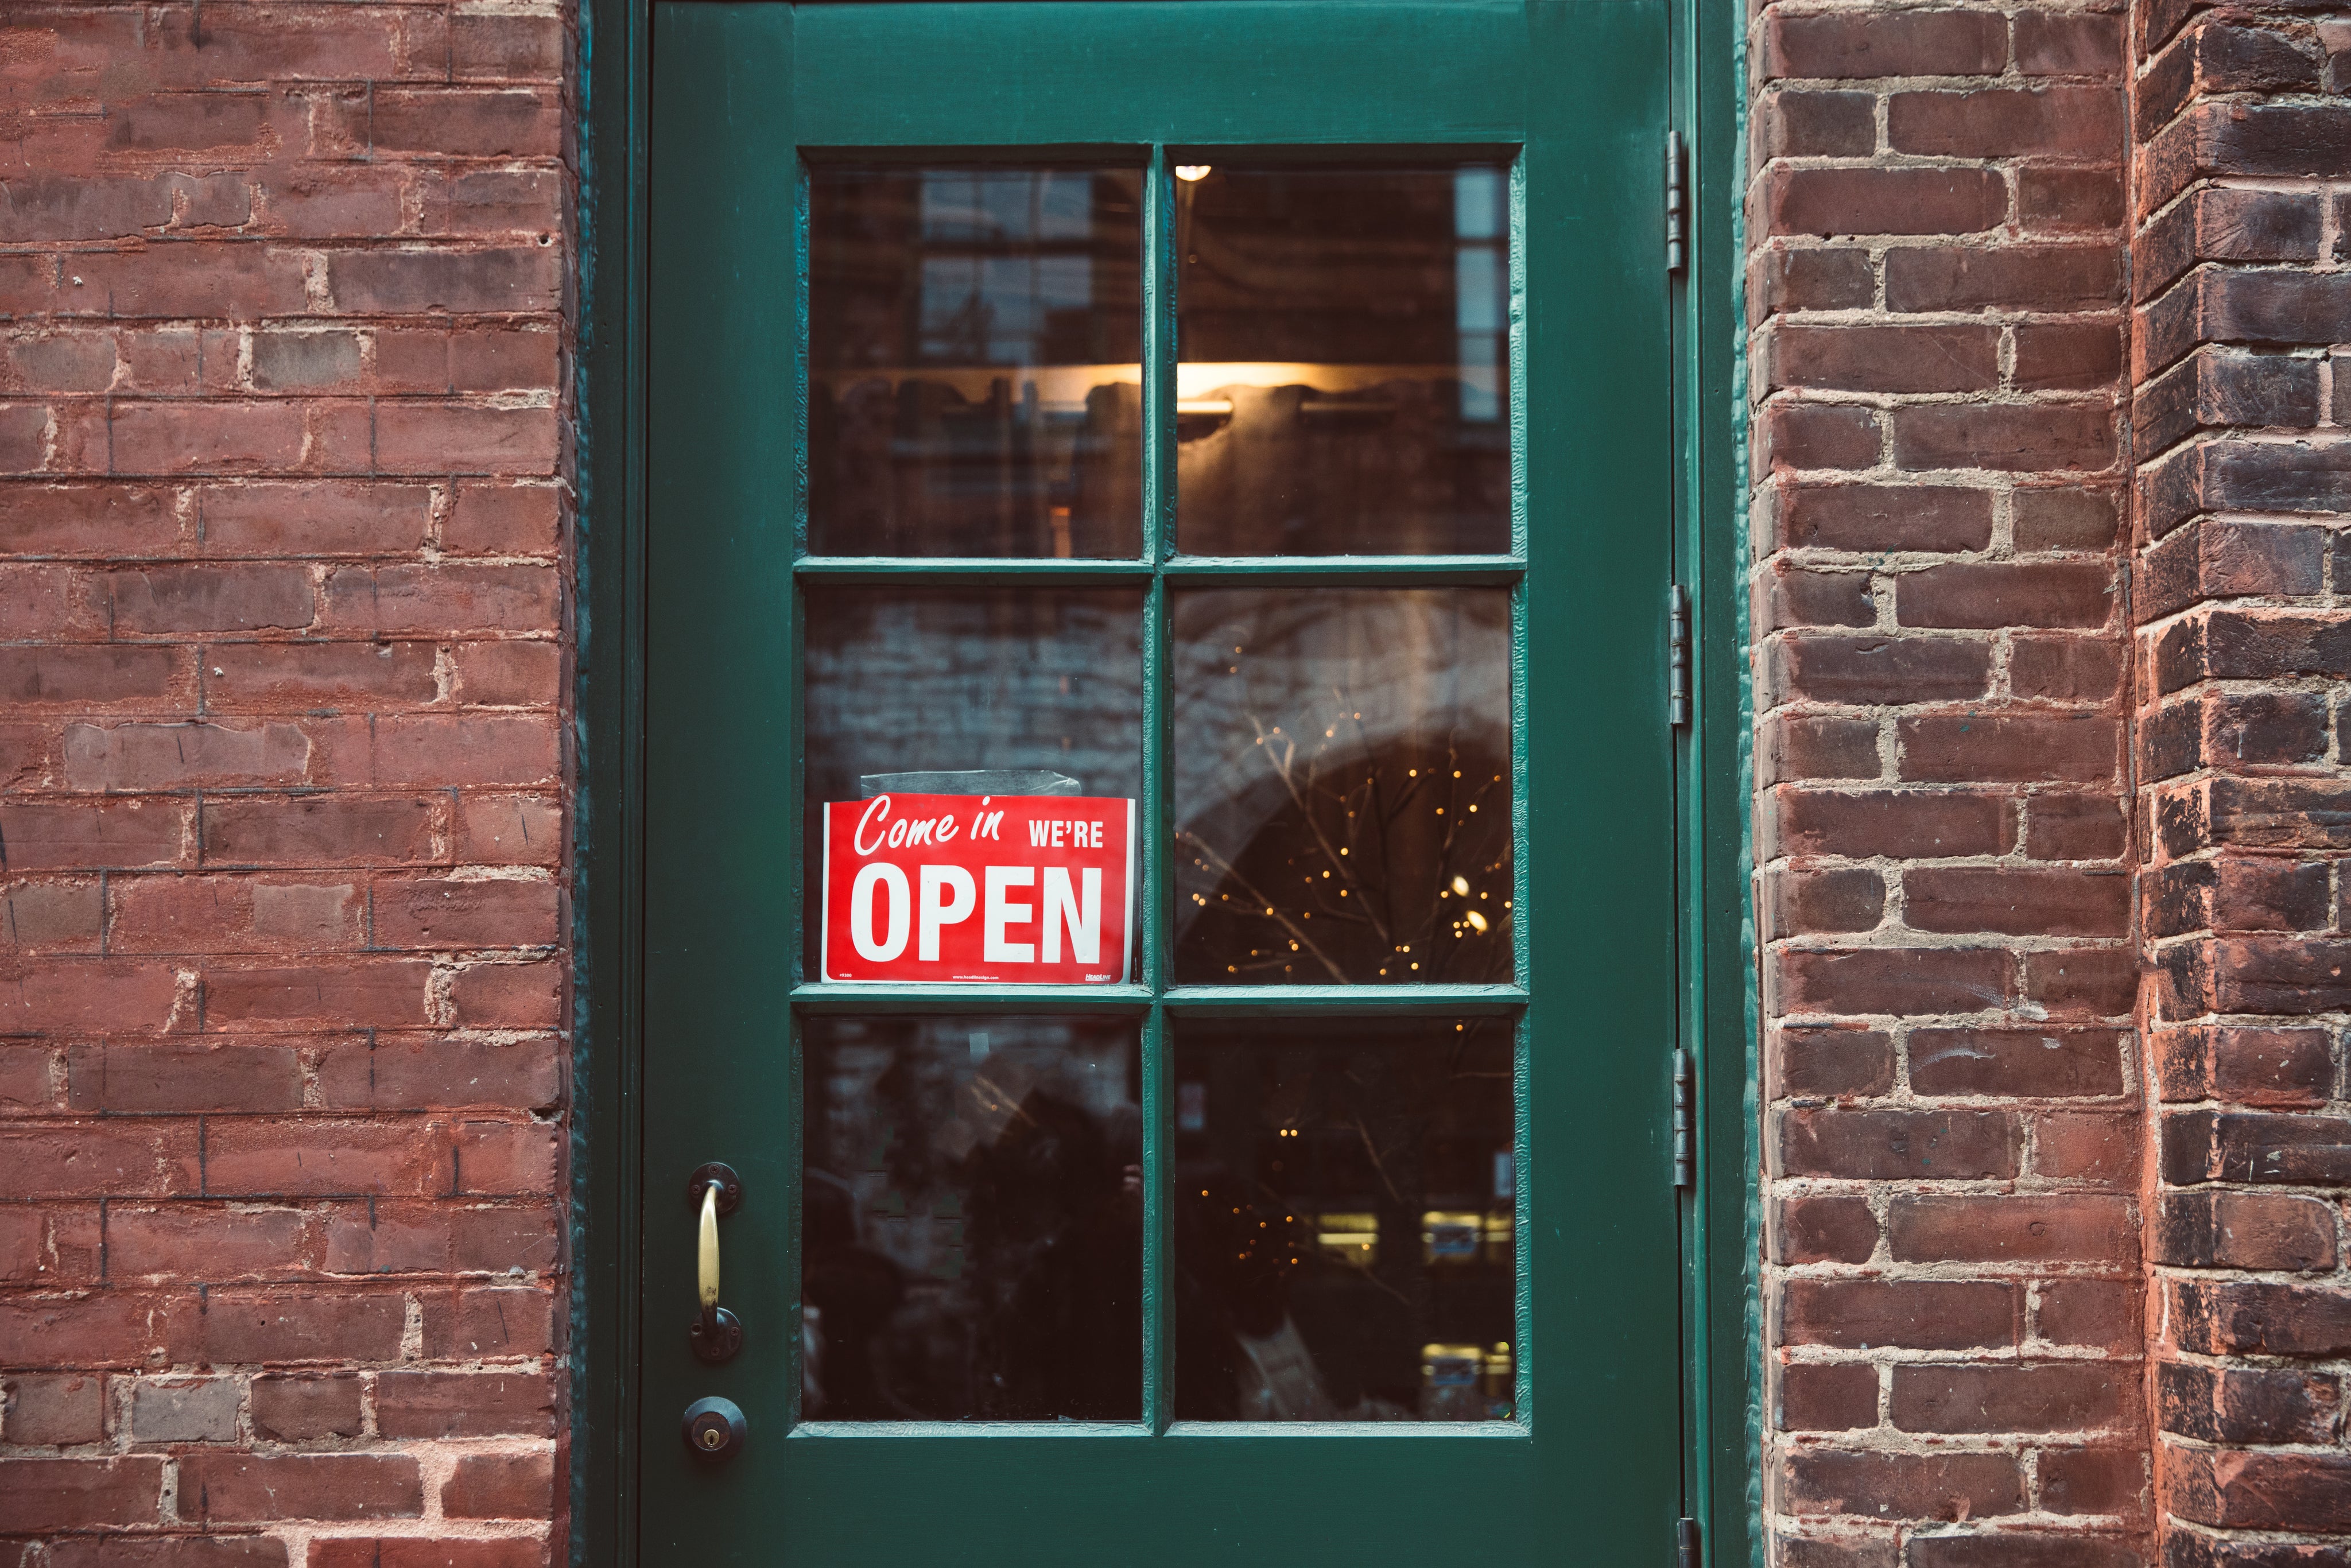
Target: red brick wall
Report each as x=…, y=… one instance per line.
x=2242, y=645
x=1936, y=304
x=282, y=706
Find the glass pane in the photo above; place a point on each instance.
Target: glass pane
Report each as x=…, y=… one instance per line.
x=1341, y=766
x=1344, y=1222
x=973, y=1216
x=1345, y=379
x=1039, y=689
x=974, y=340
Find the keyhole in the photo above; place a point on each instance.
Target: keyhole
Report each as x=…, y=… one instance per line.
x=712, y=1437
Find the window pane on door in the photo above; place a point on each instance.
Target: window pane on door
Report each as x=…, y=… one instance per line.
x=1345, y=1239
x=972, y=1217
x=974, y=345
x=1004, y=691
x=1341, y=767
x=1344, y=384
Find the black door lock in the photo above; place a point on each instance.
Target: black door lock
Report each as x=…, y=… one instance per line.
x=715, y=1431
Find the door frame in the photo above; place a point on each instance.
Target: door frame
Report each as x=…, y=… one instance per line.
x=1719, y=981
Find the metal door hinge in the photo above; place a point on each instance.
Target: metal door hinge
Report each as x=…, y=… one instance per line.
x=1677, y=202
x=1685, y=1122
x=1678, y=657
x=1686, y=1537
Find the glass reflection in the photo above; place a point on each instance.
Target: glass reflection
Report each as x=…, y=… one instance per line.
x=1344, y=377
x=1344, y=1222
x=973, y=1220
x=1340, y=769
x=908, y=681
x=974, y=340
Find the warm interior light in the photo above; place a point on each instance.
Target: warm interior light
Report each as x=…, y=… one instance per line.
x=1188, y=173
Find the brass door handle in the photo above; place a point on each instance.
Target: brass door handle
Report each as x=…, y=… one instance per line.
x=717, y=1334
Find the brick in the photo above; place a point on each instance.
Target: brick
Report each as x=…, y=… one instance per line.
x=1877, y=359
x=298, y=1409
x=94, y=1158
x=502, y=519
x=2087, y=1145
x=2262, y=1491
x=441, y=601
x=1824, y=1230
x=1884, y=517
x=1910, y=1485
x=416, y=438
x=1891, y=981
x=1878, y=669
x=2249, y=1066
x=1842, y=202
x=321, y=830
x=315, y=517
x=2247, y=1404
x=2210, y=559
x=316, y=1157
x=416, y=1551
x=282, y=1325
x=139, y=757
x=2045, y=1397
x=68, y=994
x=1833, y=1398
x=375, y=282
x=2245, y=1230
x=2063, y=199
x=84, y=677
x=342, y=991
x=208, y=1550
x=182, y=1077
x=52, y=1408
x=2016, y=1549
x=2009, y=1229
x=2278, y=307
x=2219, y=388
x=2016, y=901
x=246, y=675
x=467, y=749
x=80, y=1494
x=2061, y=121
x=2221, y=224
x=2064, y=669
x=221, y=914
x=2028, y=1064
x=1830, y=1061
x=1893, y=44
x=500, y=1485
x=510, y=673
x=390, y=1072
x=180, y=1410
x=465, y=1404
x=53, y=917
x=1815, y=435
x=2230, y=1317
x=2068, y=355
x=1800, y=124
x=2256, y=1147
x=2019, y=438
x=235, y=1487
x=2097, y=1314
x=437, y=1238
x=2036, y=749
x=2063, y=518
x=2095, y=1480
x=2274, y=140
x=1808, y=279
x=2003, y=277
x=509, y=829
x=1950, y=1145
x=488, y=1323
x=1903, y=823
x=2074, y=983
x=218, y=1241
x=1799, y=747
x=2064, y=43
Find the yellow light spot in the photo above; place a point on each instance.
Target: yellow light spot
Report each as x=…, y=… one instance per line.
x=1473, y=808
x=1477, y=921
x=1461, y=885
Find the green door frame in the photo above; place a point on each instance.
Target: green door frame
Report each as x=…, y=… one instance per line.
x=1721, y=1346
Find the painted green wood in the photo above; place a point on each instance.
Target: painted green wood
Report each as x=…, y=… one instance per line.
x=1591, y=1472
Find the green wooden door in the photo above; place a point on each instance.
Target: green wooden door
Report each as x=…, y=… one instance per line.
x=1299, y=1243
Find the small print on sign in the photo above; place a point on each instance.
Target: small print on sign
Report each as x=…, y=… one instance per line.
x=1007, y=889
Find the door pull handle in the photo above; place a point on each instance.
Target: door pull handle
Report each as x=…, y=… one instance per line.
x=717, y=1334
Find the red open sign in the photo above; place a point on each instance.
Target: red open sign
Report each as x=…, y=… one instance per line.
x=1007, y=889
